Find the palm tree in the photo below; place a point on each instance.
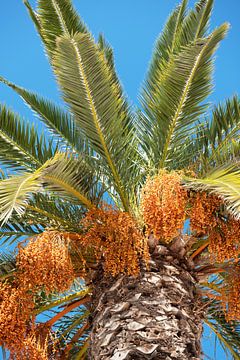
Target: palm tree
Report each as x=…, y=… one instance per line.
x=104, y=201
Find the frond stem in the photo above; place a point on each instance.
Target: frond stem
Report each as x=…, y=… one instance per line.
x=61, y=301
x=75, y=338
x=68, y=309
x=70, y=190
x=49, y=215
x=199, y=250
x=82, y=351
x=221, y=338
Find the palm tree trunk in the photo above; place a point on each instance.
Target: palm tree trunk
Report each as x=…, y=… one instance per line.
x=155, y=316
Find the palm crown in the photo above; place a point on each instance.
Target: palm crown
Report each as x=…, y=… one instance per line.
x=99, y=150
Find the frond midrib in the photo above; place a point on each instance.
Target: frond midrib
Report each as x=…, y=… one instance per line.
x=221, y=338
x=180, y=106
x=21, y=91
x=97, y=124
x=60, y=17
x=70, y=190
x=200, y=22
x=177, y=25
x=224, y=142
x=16, y=145
x=49, y=215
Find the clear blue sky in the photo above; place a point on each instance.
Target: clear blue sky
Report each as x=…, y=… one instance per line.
x=131, y=26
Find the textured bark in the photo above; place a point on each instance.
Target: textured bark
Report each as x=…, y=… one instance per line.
x=155, y=316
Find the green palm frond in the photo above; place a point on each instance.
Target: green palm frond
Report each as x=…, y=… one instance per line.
x=107, y=50
x=20, y=144
x=60, y=123
x=15, y=193
x=43, y=210
x=56, y=18
x=54, y=211
x=164, y=47
x=19, y=228
x=196, y=23
x=228, y=333
x=126, y=115
x=70, y=324
x=225, y=182
x=222, y=133
x=178, y=99
x=72, y=178
x=62, y=172
x=225, y=117
x=67, y=327
x=83, y=74
x=181, y=29
x=215, y=141
x=33, y=15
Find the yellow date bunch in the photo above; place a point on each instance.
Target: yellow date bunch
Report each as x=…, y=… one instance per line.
x=163, y=205
x=42, y=264
x=45, y=262
x=116, y=239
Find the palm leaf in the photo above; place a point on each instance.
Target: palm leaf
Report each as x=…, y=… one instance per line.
x=20, y=144
x=67, y=327
x=61, y=172
x=179, y=97
x=15, y=193
x=164, y=47
x=59, y=122
x=84, y=74
x=181, y=29
x=65, y=20
x=222, y=134
x=58, y=17
x=42, y=211
x=107, y=50
x=33, y=16
x=72, y=177
x=17, y=229
x=53, y=211
x=196, y=23
x=132, y=176
x=214, y=141
x=225, y=182
x=227, y=333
